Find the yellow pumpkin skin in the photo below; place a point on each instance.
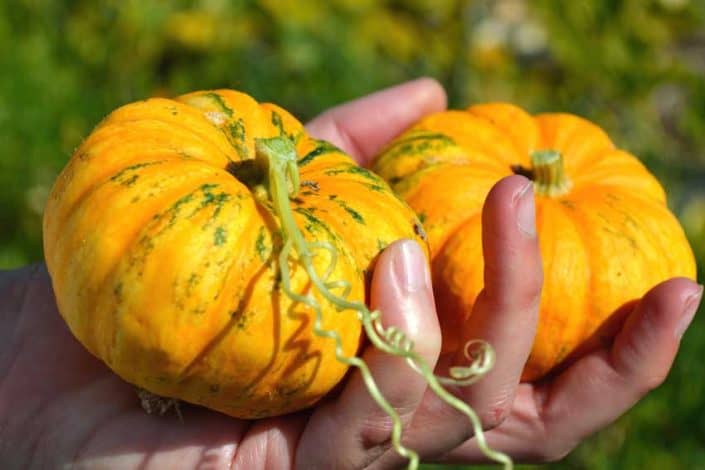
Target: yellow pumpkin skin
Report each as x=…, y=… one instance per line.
x=605, y=241
x=164, y=264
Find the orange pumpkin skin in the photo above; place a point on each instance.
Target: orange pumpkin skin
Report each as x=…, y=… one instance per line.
x=606, y=238
x=164, y=264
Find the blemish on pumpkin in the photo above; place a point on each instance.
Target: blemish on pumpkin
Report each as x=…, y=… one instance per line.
x=260, y=246
x=311, y=184
x=185, y=155
x=237, y=130
x=193, y=280
x=241, y=320
x=419, y=231
x=220, y=236
x=567, y=204
x=130, y=181
x=394, y=180
x=200, y=310
x=117, y=291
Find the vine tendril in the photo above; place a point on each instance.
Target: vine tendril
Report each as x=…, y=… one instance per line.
x=278, y=156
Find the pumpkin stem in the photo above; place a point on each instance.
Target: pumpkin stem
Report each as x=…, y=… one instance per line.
x=278, y=156
x=549, y=174
x=273, y=154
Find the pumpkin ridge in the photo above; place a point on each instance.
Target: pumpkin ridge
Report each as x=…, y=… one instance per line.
x=120, y=144
x=498, y=113
x=570, y=128
x=599, y=187
x=581, y=231
x=100, y=182
x=440, y=285
x=67, y=225
x=488, y=143
x=391, y=165
x=654, y=242
x=322, y=147
x=177, y=195
x=420, y=186
x=169, y=124
x=625, y=172
x=251, y=118
x=361, y=210
x=216, y=341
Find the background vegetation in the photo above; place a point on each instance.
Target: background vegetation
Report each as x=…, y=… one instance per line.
x=636, y=67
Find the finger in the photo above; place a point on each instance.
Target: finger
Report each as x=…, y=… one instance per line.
x=601, y=386
x=505, y=315
x=361, y=127
x=506, y=311
x=353, y=427
x=548, y=421
x=268, y=443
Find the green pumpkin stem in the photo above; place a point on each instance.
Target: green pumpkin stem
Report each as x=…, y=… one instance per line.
x=278, y=156
x=550, y=178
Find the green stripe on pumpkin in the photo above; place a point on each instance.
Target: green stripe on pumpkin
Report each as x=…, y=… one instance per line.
x=418, y=142
x=322, y=148
x=219, y=101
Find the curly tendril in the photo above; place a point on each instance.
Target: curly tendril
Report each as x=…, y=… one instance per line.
x=277, y=156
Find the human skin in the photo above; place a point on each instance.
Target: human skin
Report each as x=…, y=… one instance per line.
x=59, y=406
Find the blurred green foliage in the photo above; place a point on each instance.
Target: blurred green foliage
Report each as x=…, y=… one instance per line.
x=636, y=67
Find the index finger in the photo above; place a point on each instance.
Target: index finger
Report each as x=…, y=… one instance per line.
x=363, y=126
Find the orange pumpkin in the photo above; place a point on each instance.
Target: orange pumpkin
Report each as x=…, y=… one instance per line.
x=162, y=249
x=605, y=232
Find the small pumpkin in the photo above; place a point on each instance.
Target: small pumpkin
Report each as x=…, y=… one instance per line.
x=606, y=235
x=162, y=246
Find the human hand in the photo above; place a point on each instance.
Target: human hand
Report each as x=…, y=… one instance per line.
x=530, y=422
x=59, y=405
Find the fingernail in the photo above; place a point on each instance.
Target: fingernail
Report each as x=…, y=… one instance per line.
x=410, y=267
x=690, y=306
x=525, y=210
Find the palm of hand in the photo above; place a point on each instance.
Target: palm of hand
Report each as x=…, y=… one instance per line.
x=68, y=406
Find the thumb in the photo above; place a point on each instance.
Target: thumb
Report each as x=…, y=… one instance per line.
x=353, y=430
